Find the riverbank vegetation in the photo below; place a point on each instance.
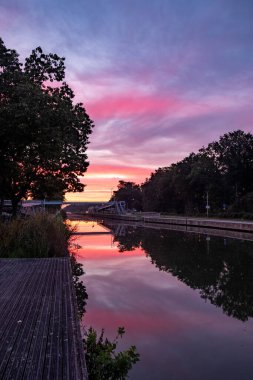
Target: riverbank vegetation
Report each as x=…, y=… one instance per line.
x=218, y=177
x=40, y=235
x=103, y=362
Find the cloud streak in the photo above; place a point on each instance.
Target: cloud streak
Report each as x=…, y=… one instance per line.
x=160, y=79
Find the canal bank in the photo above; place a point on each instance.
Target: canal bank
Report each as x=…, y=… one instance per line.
x=155, y=218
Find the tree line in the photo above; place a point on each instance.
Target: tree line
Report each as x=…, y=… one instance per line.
x=219, y=177
x=43, y=133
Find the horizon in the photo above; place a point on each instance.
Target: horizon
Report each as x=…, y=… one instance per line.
x=159, y=78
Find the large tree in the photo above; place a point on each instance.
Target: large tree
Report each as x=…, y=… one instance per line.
x=43, y=134
x=130, y=193
x=156, y=190
x=223, y=170
x=232, y=154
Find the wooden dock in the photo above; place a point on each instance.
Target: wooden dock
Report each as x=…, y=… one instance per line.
x=39, y=330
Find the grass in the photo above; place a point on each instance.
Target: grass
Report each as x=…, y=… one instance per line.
x=40, y=235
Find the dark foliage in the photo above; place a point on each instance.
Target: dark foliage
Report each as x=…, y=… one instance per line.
x=43, y=134
x=130, y=193
x=103, y=362
x=80, y=288
x=221, y=172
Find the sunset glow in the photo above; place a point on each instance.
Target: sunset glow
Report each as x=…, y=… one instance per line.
x=159, y=78
x=102, y=180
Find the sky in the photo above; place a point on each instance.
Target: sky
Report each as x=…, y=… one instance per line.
x=159, y=78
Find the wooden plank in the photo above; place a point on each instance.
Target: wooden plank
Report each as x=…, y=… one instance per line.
x=73, y=346
x=14, y=288
x=47, y=343
x=68, y=344
x=53, y=358
x=18, y=357
x=11, y=326
x=7, y=270
x=36, y=358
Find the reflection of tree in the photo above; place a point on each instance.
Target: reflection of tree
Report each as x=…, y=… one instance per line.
x=127, y=241
x=80, y=289
x=221, y=272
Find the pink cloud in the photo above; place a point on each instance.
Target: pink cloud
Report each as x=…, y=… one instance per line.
x=113, y=170
x=100, y=177
x=101, y=180
x=130, y=104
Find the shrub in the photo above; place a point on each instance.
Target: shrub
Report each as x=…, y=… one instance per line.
x=40, y=235
x=103, y=362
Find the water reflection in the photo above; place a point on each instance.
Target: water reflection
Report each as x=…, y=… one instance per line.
x=150, y=281
x=80, y=289
x=221, y=270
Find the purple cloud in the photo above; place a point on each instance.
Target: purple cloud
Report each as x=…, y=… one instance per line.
x=160, y=79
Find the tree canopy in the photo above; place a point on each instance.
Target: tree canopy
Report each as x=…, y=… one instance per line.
x=130, y=193
x=43, y=134
x=222, y=171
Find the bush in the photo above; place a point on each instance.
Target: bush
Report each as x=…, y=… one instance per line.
x=103, y=363
x=40, y=235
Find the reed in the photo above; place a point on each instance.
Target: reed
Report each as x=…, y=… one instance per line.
x=40, y=235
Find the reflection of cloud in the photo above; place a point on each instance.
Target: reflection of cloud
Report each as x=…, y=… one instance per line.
x=164, y=318
x=168, y=322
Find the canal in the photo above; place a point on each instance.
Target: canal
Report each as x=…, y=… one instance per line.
x=185, y=299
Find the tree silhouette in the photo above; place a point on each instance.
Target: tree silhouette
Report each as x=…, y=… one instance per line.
x=44, y=135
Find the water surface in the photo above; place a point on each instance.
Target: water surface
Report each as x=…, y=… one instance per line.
x=186, y=300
